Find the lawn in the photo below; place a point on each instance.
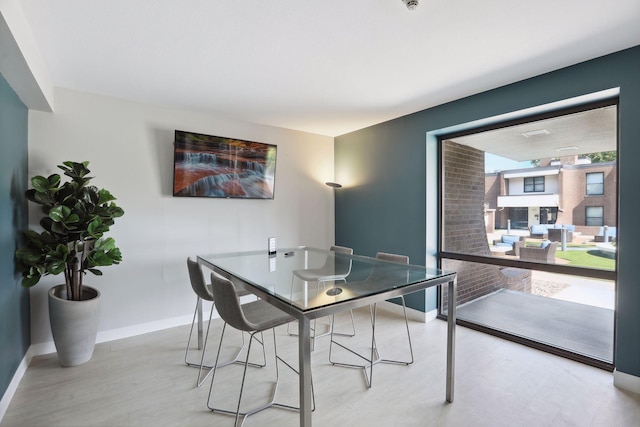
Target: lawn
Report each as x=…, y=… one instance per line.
x=591, y=258
x=583, y=255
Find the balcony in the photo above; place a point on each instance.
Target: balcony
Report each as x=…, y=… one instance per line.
x=565, y=314
x=526, y=200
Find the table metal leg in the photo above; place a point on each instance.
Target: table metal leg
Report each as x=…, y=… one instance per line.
x=304, y=357
x=451, y=339
x=199, y=323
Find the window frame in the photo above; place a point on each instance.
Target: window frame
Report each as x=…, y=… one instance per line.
x=502, y=262
x=534, y=184
x=442, y=253
x=587, y=217
x=587, y=184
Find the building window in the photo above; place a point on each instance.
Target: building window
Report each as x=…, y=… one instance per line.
x=534, y=184
x=595, y=184
x=595, y=215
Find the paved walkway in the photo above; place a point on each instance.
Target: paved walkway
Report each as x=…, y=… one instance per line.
x=582, y=290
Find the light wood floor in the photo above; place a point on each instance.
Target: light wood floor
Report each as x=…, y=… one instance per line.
x=142, y=381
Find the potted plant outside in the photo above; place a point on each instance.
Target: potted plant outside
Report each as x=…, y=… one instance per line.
x=76, y=217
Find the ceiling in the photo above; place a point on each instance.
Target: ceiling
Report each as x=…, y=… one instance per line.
x=325, y=66
x=590, y=131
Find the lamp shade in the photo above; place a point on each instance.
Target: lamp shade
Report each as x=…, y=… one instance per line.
x=333, y=184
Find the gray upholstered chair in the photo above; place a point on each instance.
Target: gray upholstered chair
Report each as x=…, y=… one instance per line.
x=335, y=269
x=374, y=357
x=203, y=293
x=253, y=317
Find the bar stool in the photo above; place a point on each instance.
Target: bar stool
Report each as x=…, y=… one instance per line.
x=253, y=317
x=334, y=270
x=374, y=358
x=203, y=292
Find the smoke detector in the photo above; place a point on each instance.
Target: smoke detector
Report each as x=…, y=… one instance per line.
x=411, y=4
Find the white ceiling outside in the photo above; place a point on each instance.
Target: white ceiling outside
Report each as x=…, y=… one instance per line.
x=324, y=66
x=585, y=132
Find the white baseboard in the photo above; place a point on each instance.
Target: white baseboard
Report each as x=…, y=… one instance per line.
x=626, y=381
x=116, y=334
x=15, y=381
x=144, y=328
x=412, y=314
x=133, y=330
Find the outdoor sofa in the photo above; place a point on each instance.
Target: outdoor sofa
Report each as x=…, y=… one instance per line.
x=513, y=241
x=551, y=231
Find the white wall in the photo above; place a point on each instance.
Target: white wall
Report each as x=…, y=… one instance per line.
x=130, y=149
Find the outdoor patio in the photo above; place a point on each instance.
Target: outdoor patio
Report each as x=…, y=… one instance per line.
x=569, y=312
x=578, y=328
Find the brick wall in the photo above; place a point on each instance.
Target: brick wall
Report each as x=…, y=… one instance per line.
x=464, y=228
x=575, y=179
x=572, y=190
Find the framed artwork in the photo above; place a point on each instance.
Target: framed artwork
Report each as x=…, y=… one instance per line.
x=215, y=166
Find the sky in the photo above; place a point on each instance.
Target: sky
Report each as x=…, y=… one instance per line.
x=493, y=163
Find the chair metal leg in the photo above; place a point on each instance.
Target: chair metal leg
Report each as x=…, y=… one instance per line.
x=374, y=358
x=203, y=347
x=406, y=323
x=331, y=321
x=193, y=322
x=242, y=416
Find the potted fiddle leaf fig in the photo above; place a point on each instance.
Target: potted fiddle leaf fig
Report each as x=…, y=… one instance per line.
x=76, y=216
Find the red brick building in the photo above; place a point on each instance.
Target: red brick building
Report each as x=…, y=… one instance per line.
x=565, y=191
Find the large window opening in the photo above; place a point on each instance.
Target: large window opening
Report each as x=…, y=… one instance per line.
x=529, y=222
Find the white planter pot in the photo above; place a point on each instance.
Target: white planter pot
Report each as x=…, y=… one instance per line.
x=74, y=324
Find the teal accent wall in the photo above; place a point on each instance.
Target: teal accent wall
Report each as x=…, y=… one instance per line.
x=387, y=169
x=14, y=300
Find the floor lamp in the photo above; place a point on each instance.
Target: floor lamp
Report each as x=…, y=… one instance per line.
x=334, y=185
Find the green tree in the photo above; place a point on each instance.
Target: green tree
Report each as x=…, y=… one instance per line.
x=603, y=156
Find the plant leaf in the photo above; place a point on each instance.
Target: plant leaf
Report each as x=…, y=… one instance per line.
x=105, y=196
x=56, y=267
x=54, y=180
x=40, y=183
x=29, y=281
x=59, y=213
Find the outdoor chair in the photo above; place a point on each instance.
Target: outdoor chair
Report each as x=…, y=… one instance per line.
x=546, y=253
x=539, y=231
x=514, y=241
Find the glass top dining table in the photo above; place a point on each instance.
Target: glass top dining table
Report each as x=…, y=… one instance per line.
x=367, y=280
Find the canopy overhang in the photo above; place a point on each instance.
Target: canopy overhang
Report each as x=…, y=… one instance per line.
x=526, y=200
